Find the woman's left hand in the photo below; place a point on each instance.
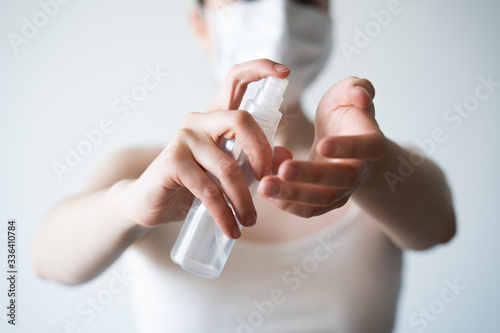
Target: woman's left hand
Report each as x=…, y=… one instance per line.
x=347, y=140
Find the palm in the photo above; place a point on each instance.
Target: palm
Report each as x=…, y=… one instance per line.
x=346, y=114
x=347, y=138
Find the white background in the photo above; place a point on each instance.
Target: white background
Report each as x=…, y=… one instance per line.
x=65, y=78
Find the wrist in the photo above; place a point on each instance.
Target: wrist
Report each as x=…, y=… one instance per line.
x=119, y=196
x=373, y=180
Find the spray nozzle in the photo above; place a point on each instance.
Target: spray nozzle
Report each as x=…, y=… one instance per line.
x=270, y=95
x=274, y=86
x=265, y=106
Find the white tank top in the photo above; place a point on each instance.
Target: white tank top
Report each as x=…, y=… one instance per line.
x=345, y=278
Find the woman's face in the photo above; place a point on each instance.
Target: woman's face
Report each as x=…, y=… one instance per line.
x=204, y=33
x=296, y=33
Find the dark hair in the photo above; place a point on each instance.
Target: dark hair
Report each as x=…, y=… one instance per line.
x=201, y=2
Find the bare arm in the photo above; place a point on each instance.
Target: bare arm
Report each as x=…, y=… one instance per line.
x=136, y=191
x=415, y=208
x=82, y=235
x=417, y=215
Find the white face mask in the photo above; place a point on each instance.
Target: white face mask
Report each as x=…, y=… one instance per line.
x=298, y=36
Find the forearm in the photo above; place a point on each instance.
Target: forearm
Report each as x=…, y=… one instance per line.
x=82, y=236
x=411, y=202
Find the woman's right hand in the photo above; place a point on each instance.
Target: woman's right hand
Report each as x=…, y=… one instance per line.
x=164, y=192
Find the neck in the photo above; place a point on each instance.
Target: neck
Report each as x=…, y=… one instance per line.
x=295, y=131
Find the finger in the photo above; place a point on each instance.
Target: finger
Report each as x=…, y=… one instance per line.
x=239, y=125
x=337, y=175
x=355, y=91
x=313, y=195
x=351, y=91
x=362, y=94
x=196, y=180
x=366, y=147
x=231, y=179
x=235, y=85
x=305, y=211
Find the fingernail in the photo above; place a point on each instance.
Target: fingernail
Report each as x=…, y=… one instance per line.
x=330, y=149
x=272, y=188
x=364, y=90
x=281, y=68
x=251, y=219
x=236, y=231
x=292, y=172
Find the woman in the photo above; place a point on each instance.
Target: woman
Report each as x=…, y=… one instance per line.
x=321, y=251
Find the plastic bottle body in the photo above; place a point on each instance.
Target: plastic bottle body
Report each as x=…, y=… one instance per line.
x=201, y=247
x=210, y=254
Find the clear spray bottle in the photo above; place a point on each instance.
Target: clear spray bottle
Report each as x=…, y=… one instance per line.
x=201, y=247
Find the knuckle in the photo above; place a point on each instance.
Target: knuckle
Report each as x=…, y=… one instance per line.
x=227, y=167
x=211, y=191
x=189, y=119
x=234, y=70
x=259, y=144
x=240, y=118
x=174, y=155
x=183, y=135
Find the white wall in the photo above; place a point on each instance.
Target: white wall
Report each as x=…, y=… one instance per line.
x=64, y=80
